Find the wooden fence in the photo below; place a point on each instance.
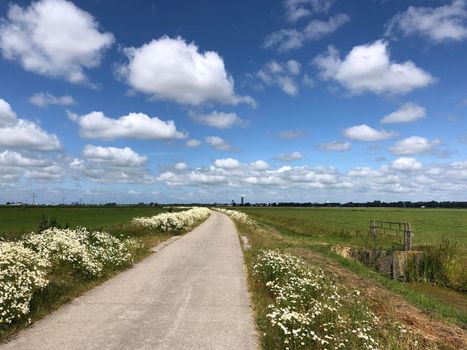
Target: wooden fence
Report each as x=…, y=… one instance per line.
x=398, y=232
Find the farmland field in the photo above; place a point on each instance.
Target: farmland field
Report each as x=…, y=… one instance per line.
x=17, y=220
x=430, y=225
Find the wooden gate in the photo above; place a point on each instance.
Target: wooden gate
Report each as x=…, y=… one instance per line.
x=398, y=232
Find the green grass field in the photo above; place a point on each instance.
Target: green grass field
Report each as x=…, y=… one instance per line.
x=430, y=225
x=15, y=221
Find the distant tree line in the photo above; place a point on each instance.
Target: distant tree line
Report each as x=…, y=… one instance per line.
x=79, y=204
x=374, y=204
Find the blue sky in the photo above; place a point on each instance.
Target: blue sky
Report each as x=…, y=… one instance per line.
x=293, y=100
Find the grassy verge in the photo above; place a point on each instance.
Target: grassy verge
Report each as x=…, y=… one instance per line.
x=263, y=237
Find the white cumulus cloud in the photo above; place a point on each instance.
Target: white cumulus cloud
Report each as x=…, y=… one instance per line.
x=364, y=132
x=28, y=135
x=113, y=155
x=180, y=166
x=218, y=143
x=289, y=39
x=219, y=120
x=193, y=143
x=227, y=163
x=132, y=126
x=259, y=165
x=406, y=164
x=43, y=99
x=290, y=157
x=439, y=24
x=407, y=113
x=25, y=134
x=284, y=40
x=317, y=29
x=171, y=69
x=414, y=145
x=195, y=177
x=7, y=115
x=15, y=165
x=111, y=165
x=297, y=9
x=369, y=68
x=335, y=146
x=53, y=38
x=280, y=74
x=15, y=159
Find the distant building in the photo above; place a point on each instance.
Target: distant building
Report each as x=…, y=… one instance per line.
x=241, y=201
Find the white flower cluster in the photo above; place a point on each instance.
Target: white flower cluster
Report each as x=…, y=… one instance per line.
x=24, y=265
x=308, y=310
x=174, y=222
x=240, y=217
x=22, y=272
x=85, y=252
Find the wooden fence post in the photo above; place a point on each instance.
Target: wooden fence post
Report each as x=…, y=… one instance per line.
x=393, y=267
x=408, y=236
x=373, y=229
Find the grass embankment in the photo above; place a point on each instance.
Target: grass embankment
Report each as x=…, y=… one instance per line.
x=65, y=282
x=424, y=331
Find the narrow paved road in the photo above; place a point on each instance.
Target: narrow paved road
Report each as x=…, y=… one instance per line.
x=190, y=295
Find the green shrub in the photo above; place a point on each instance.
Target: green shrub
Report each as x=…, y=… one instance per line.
x=49, y=222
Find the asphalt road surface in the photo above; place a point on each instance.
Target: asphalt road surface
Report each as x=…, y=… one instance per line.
x=192, y=294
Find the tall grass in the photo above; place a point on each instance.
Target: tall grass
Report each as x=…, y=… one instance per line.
x=444, y=264
x=50, y=222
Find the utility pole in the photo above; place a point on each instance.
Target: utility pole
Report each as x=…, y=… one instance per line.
x=33, y=199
